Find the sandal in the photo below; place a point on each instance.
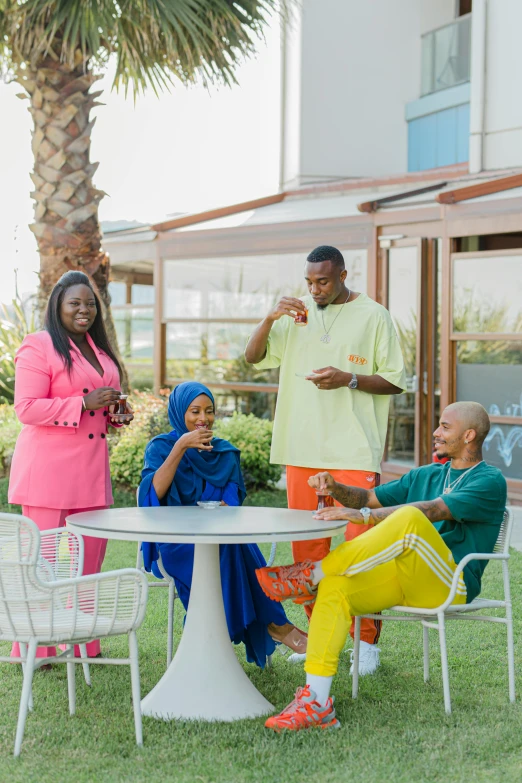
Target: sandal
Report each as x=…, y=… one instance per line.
x=290, y=636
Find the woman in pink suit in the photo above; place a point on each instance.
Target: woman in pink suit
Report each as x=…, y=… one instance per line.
x=67, y=378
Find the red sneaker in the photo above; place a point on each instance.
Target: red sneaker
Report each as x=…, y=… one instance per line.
x=291, y=581
x=304, y=712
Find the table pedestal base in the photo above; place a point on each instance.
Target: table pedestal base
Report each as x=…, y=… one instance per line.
x=205, y=681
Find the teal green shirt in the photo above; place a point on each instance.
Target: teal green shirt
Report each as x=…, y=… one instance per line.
x=476, y=504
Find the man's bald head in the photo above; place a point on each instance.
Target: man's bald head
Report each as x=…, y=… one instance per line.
x=471, y=416
x=461, y=432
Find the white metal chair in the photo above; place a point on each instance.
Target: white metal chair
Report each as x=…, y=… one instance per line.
x=36, y=609
x=61, y=557
x=448, y=611
x=168, y=582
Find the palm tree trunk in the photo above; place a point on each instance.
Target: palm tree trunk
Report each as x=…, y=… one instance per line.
x=66, y=223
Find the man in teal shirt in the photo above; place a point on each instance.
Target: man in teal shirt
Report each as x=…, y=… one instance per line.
x=424, y=524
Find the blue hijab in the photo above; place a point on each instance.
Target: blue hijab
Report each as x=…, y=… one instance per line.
x=218, y=467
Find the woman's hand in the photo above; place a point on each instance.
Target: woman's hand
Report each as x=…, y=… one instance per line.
x=121, y=418
x=100, y=398
x=196, y=439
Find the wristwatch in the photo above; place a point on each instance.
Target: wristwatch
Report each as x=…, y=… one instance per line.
x=366, y=513
x=354, y=382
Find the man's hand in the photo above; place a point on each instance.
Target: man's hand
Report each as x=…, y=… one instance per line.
x=323, y=483
x=330, y=378
x=288, y=305
x=350, y=514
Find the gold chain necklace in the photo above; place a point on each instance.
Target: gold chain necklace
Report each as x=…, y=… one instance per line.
x=450, y=486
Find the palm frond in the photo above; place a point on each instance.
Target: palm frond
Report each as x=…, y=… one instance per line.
x=154, y=41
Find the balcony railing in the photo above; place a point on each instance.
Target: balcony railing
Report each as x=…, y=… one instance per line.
x=446, y=56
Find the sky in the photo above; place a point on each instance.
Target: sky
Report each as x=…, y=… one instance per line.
x=186, y=151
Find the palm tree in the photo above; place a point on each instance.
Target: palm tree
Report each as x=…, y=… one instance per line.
x=56, y=49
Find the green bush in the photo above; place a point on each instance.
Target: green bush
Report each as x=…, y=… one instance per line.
x=127, y=445
x=253, y=437
x=14, y=326
x=9, y=430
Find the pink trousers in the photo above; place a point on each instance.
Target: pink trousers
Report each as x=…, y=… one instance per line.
x=94, y=552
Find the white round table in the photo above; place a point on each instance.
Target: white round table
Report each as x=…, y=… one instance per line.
x=205, y=680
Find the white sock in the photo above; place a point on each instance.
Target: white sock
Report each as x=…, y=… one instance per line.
x=317, y=573
x=321, y=687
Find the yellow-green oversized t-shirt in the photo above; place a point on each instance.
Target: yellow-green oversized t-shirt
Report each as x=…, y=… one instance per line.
x=342, y=428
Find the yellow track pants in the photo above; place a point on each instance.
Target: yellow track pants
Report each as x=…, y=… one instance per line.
x=403, y=560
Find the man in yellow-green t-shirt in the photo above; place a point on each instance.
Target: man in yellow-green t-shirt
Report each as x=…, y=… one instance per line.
x=337, y=374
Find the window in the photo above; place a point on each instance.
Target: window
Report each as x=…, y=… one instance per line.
x=487, y=335
x=445, y=56
x=211, y=306
x=487, y=293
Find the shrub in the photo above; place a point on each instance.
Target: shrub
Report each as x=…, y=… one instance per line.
x=127, y=446
x=14, y=326
x=9, y=430
x=253, y=437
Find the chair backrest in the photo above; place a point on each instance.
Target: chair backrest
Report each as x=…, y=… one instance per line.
x=504, y=536
x=20, y=588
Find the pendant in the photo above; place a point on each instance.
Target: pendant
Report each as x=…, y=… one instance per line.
x=446, y=491
x=325, y=338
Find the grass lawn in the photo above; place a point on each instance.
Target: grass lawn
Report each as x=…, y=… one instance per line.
x=396, y=730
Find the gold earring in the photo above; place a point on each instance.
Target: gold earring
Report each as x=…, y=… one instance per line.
x=466, y=442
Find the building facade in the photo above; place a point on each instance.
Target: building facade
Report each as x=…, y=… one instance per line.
x=440, y=246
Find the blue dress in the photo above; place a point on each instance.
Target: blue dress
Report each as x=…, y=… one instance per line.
x=248, y=611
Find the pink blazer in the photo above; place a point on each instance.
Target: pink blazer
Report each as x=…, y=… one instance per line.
x=61, y=458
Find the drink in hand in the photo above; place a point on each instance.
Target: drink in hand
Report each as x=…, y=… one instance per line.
x=121, y=412
x=201, y=427
x=324, y=501
x=301, y=319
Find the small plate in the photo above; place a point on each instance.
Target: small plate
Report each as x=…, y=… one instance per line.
x=209, y=503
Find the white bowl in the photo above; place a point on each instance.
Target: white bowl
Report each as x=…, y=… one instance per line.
x=209, y=504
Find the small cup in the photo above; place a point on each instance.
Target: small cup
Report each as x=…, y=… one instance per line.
x=202, y=427
x=121, y=413
x=301, y=319
x=324, y=501
x=122, y=409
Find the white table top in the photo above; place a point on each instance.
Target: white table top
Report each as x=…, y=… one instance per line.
x=195, y=525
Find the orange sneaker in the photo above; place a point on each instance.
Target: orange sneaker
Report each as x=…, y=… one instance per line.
x=294, y=582
x=304, y=712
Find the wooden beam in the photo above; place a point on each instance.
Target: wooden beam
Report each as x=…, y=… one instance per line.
x=231, y=386
x=213, y=214
x=511, y=421
x=159, y=349
x=373, y=206
x=446, y=318
x=134, y=278
x=482, y=189
x=486, y=336
x=196, y=320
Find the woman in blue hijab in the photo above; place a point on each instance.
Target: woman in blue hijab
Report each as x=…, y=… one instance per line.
x=184, y=466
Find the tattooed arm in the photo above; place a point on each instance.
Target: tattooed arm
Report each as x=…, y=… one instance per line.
x=435, y=510
x=350, y=497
